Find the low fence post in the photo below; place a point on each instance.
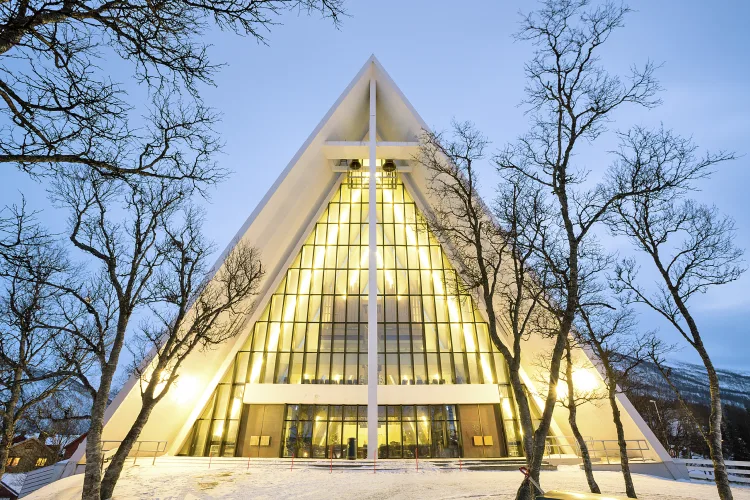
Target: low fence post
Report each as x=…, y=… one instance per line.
x=416, y=454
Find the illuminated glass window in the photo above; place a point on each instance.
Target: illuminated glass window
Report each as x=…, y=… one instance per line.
x=429, y=331
x=314, y=328
x=404, y=431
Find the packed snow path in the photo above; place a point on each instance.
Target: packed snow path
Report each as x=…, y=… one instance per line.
x=264, y=482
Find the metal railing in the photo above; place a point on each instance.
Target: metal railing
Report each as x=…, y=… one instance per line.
x=555, y=446
x=602, y=450
x=738, y=472
x=609, y=449
x=150, y=449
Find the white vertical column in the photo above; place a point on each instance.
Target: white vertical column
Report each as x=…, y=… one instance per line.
x=372, y=296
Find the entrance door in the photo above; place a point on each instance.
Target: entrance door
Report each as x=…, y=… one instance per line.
x=481, y=431
x=260, y=431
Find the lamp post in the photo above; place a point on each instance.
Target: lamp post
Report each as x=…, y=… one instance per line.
x=657, y=411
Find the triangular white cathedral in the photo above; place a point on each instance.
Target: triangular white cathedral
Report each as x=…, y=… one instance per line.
x=330, y=362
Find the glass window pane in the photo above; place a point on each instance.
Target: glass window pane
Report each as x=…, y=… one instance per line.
x=295, y=376
x=409, y=439
x=350, y=413
x=240, y=373
x=282, y=374
x=394, y=440
x=324, y=367
x=460, y=369
x=270, y=367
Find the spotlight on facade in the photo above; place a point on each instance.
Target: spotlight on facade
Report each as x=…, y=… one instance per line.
x=389, y=166
x=355, y=164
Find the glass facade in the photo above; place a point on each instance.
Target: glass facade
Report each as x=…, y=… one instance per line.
x=314, y=328
x=404, y=431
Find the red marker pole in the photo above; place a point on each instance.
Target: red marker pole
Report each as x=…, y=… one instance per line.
x=292, y=466
x=248, y=463
x=209, y=461
x=460, y=466
x=331, y=471
x=375, y=461
x=416, y=454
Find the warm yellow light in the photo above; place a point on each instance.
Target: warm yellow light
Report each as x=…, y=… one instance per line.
x=583, y=381
x=236, y=407
x=219, y=430
x=337, y=378
x=307, y=376
x=506, y=408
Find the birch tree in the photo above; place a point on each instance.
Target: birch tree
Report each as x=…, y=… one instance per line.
x=690, y=246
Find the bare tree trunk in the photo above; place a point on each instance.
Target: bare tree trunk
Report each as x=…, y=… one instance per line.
x=714, y=428
x=539, y=443
x=527, y=427
x=92, y=476
x=624, y=464
x=9, y=416
x=573, y=410
x=114, y=470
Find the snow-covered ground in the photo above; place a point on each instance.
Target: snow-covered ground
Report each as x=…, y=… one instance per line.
x=265, y=482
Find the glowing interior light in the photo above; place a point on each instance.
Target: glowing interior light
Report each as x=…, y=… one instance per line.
x=583, y=381
x=185, y=388
x=236, y=407
x=273, y=336
x=255, y=372
x=219, y=429
x=486, y=368
x=506, y=408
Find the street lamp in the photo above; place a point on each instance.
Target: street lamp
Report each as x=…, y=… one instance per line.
x=657, y=411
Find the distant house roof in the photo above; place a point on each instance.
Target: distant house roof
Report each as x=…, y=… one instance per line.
x=11, y=484
x=71, y=447
x=31, y=439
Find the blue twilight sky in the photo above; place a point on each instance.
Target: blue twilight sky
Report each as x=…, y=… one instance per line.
x=457, y=59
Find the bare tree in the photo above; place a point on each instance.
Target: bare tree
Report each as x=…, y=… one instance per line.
x=119, y=229
x=611, y=334
x=571, y=400
x=690, y=245
x=31, y=368
x=59, y=107
x=495, y=255
x=570, y=99
x=193, y=310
